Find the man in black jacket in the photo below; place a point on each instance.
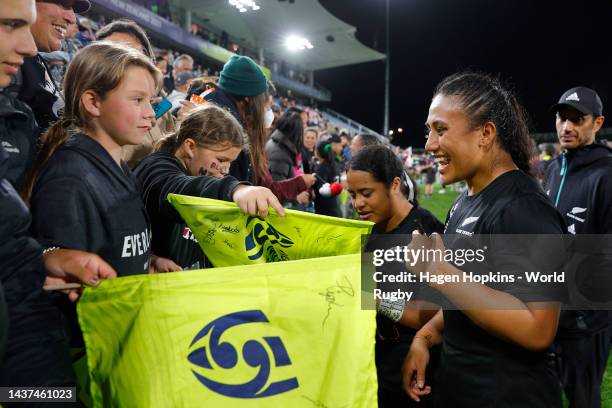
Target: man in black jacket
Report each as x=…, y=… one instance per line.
x=35, y=86
x=579, y=183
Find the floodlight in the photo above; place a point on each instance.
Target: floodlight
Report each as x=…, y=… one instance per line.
x=297, y=43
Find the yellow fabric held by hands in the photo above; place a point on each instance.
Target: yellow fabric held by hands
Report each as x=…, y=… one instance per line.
x=284, y=334
x=229, y=237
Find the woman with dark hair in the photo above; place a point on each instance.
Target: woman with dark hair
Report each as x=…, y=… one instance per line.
x=285, y=154
x=242, y=89
x=494, y=336
x=284, y=147
x=382, y=193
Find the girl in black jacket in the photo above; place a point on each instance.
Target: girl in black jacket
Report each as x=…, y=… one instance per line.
x=194, y=161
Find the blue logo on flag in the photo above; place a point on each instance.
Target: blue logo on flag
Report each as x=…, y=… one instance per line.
x=265, y=239
x=253, y=352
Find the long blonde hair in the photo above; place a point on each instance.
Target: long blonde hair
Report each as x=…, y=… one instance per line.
x=99, y=67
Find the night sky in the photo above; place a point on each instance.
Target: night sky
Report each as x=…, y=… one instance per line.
x=540, y=47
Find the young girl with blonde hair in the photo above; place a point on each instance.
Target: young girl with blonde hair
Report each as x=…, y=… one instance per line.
x=83, y=195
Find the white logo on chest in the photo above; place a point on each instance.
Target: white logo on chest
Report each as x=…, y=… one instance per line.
x=469, y=220
x=577, y=210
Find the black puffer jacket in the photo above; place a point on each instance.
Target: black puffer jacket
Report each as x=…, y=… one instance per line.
x=18, y=138
x=281, y=156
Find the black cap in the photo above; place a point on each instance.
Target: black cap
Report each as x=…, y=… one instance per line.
x=585, y=100
x=78, y=6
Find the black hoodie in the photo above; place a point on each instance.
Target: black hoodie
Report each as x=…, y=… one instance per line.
x=579, y=183
x=161, y=174
x=83, y=200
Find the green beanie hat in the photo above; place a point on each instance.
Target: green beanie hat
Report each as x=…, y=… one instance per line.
x=242, y=76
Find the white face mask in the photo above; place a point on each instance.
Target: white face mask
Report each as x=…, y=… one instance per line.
x=269, y=118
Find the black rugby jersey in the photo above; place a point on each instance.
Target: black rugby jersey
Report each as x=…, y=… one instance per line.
x=478, y=369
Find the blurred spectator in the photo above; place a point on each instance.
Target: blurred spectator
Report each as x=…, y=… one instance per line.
x=161, y=61
x=284, y=149
x=302, y=114
x=346, y=145
x=224, y=41
x=182, y=83
x=128, y=32
x=327, y=171
x=311, y=136
x=429, y=168
x=70, y=44
x=57, y=62
x=86, y=32
x=364, y=140
x=183, y=63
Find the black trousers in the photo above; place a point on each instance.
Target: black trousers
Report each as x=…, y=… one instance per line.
x=581, y=363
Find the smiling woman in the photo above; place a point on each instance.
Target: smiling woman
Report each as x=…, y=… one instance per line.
x=478, y=133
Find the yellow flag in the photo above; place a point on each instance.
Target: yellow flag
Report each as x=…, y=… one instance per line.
x=229, y=237
x=287, y=334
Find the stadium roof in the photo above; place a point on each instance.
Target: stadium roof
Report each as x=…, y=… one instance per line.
x=269, y=27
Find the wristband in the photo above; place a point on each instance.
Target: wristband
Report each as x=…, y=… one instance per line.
x=393, y=309
x=50, y=249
